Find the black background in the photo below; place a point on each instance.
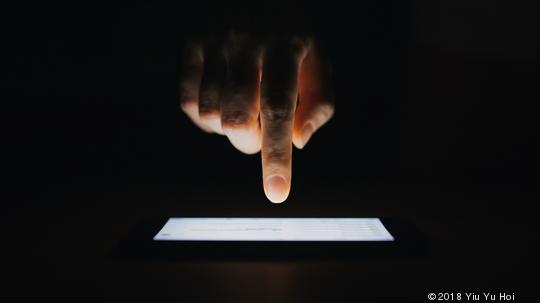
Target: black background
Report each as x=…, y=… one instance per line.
x=436, y=122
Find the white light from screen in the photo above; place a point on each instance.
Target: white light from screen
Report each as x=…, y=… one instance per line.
x=273, y=229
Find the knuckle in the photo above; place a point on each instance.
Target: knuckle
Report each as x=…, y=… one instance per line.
x=208, y=113
x=279, y=113
x=235, y=119
x=278, y=105
x=275, y=153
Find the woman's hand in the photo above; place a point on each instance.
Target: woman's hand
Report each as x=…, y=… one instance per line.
x=264, y=94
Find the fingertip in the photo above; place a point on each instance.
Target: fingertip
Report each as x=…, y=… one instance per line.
x=276, y=188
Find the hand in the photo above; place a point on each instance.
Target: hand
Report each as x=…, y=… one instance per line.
x=264, y=94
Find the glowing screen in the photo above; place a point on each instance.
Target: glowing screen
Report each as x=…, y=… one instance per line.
x=273, y=229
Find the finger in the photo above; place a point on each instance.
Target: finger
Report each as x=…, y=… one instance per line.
x=240, y=100
x=190, y=79
x=278, y=102
x=315, y=103
x=211, y=85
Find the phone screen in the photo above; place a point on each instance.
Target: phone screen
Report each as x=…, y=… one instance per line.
x=273, y=229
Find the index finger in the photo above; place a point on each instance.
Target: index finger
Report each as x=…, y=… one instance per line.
x=279, y=93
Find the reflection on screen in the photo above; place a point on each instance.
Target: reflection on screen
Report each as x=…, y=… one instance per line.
x=274, y=229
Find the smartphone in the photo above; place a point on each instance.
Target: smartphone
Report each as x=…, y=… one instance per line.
x=272, y=237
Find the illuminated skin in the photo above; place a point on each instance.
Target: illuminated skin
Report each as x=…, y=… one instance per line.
x=263, y=94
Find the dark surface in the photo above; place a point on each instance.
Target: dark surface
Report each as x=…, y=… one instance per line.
x=140, y=244
x=436, y=124
x=63, y=248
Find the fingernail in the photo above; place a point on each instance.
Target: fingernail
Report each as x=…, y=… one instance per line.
x=276, y=188
x=307, y=132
